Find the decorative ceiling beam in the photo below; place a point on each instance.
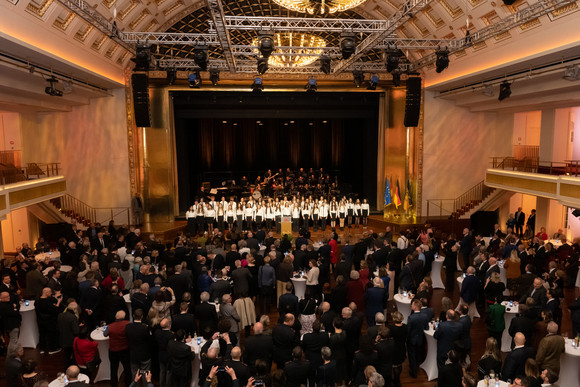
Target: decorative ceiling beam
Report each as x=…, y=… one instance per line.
x=216, y=10
x=295, y=24
x=534, y=11
x=171, y=38
x=404, y=13
x=89, y=14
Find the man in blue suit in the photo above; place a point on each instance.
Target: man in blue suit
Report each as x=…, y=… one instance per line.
x=446, y=334
x=425, y=309
x=470, y=286
x=416, y=324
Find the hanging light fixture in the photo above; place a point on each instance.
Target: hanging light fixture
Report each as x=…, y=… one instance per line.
x=300, y=49
x=313, y=7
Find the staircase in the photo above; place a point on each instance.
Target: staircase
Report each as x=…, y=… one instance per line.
x=463, y=204
x=79, y=212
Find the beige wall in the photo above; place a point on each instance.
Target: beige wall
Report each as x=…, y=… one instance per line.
x=10, y=131
x=458, y=145
x=15, y=229
x=90, y=142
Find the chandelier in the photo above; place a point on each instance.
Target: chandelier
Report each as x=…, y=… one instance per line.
x=295, y=55
x=319, y=6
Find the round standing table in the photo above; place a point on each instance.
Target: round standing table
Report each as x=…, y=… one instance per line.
x=299, y=287
x=436, y=273
x=506, y=339
x=570, y=366
x=501, y=383
x=60, y=382
x=104, y=372
x=196, y=362
x=28, y=327
x=472, y=307
x=403, y=305
x=65, y=268
x=430, y=363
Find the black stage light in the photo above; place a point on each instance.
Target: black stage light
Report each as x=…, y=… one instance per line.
x=505, y=91
x=347, y=44
x=442, y=61
x=195, y=80
x=262, y=65
x=325, y=64
x=214, y=77
x=171, y=76
x=576, y=213
x=509, y=2
x=265, y=43
x=311, y=86
x=396, y=78
x=392, y=59
x=358, y=78
x=373, y=82
x=51, y=90
x=142, y=58
x=257, y=86
x=200, y=56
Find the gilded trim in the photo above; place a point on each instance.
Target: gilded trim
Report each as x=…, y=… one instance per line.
x=570, y=190
x=528, y=184
x=27, y=194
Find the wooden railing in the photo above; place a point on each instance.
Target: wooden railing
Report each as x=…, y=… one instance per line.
x=10, y=173
x=530, y=152
x=566, y=167
x=11, y=157
x=83, y=213
x=460, y=205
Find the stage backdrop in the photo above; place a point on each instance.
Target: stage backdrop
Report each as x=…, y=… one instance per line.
x=227, y=135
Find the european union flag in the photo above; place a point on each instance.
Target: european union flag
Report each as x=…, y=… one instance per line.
x=387, y=193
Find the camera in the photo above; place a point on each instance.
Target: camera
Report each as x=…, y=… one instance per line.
x=259, y=382
x=221, y=369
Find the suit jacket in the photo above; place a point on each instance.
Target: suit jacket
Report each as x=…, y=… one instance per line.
x=539, y=296
x=522, y=324
x=417, y=323
x=312, y=343
x=9, y=316
x=446, y=334
x=219, y=288
x=549, y=351
x=375, y=300
x=206, y=316
x=242, y=371
x=185, y=321
x=466, y=331
x=138, y=336
x=258, y=347
x=68, y=328
x=288, y=303
x=406, y=277
x=520, y=220
x=227, y=311
x=490, y=270
x=35, y=281
x=241, y=278
x=13, y=371
x=113, y=304
x=470, y=288
x=575, y=311
x=284, y=339
x=428, y=312
x=180, y=357
x=515, y=362
x=297, y=373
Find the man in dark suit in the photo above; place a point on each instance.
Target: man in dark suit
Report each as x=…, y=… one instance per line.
x=312, y=344
x=493, y=268
x=537, y=292
x=465, y=321
x=416, y=324
x=68, y=329
x=113, y=303
x=14, y=364
x=92, y=304
x=100, y=242
x=288, y=303
x=232, y=256
x=575, y=312
x=258, y=346
x=220, y=287
x=179, y=282
x=428, y=311
x=406, y=277
x=180, y=355
x=285, y=339
x=342, y=268
x=526, y=280
x=522, y=323
x=466, y=245
x=327, y=317
x=446, y=334
x=514, y=364
x=241, y=278
x=520, y=218
x=162, y=338
x=10, y=316
x=532, y=221
x=206, y=315
x=184, y=320
x=298, y=370
x=138, y=335
x=470, y=287
x=140, y=300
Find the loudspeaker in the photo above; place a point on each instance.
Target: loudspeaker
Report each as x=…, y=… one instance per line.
x=576, y=213
x=413, y=102
x=482, y=222
x=140, y=84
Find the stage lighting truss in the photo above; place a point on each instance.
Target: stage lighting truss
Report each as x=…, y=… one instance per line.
x=313, y=7
x=293, y=49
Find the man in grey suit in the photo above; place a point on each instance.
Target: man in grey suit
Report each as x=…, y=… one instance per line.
x=227, y=311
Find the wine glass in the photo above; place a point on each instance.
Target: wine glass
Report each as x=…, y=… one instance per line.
x=492, y=374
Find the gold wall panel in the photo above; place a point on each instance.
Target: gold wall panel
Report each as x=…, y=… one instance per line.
x=28, y=194
x=569, y=190
x=523, y=183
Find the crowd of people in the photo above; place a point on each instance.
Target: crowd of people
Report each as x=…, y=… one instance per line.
x=216, y=291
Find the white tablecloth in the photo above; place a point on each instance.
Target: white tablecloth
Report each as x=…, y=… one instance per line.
x=60, y=383
x=299, y=287
x=570, y=366
x=104, y=372
x=501, y=383
x=436, y=273
x=196, y=362
x=403, y=305
x=472, y=307
x=65, y=268
x=127, y=298
x=506, y=339
x=47, y=257
x=430, y=363
x=29, y=327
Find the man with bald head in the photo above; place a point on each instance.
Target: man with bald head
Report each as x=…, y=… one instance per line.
x=72, y=375
x=258, y=346
x=327, y=317
x=119, y=348
x=242, y=370
x=162, y=337
x=68, y=329
x=47, y=310
x=10, y=316
x=515, y=361
x=285, y=338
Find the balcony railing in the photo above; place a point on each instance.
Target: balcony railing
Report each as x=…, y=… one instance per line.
x=10, y=174
x=84, y=214
x=454, y=208
x=558, y=168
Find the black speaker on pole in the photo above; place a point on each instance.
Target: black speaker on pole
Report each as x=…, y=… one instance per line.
x=140, y=84
x=413, y=101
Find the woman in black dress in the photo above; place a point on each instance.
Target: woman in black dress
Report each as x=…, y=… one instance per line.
x=364, y=357
x=399, y=334
x=337, y=344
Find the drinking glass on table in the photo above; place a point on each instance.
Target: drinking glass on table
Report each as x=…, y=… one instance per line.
x=492, y=374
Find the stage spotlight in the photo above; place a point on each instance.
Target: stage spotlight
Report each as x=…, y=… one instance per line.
x=396, y=78
x=347, y=44
x=51, y=90
x=142, y=58
x=311, y=86
x=392, y=59
x=572, y=73
x=195, y=80
x=214, y=77
x=442, y=61
x=325, y=65
x=358, y=78
x=265, y=43
x=373, y=82
x=262, y=66
x=505, y=90
x=171, y=76
x=200, y=56
x=257, y=86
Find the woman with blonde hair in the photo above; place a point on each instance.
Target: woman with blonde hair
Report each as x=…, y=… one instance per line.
x=493, y=288
x=446, y=304
x=512, y=272
x=491, y=359
x=399, y=334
